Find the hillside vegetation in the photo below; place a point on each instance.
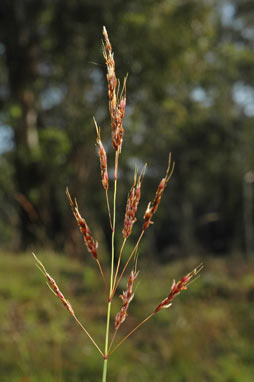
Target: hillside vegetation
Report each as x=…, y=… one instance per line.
x=207, y=334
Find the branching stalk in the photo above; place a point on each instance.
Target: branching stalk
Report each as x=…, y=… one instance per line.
x=102, y=275
x=112, y=340
x=105, y=364
x=118, y=265
x=88, y=335
x=132, y=331
x=127, y=262
x=109, y=213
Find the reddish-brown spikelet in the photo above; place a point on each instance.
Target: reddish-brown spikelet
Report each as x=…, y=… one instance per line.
x=176, y=288
x=116, y=103
x=59, y=294
x=103, y=159
x=132, y=204
x=53, y=285
x=111, y=76
x=126, y=297
x=84, y=229
x=152, y=207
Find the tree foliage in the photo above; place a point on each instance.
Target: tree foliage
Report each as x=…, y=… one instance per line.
x=189, y=92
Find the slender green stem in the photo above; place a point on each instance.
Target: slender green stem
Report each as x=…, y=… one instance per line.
x=105, y=364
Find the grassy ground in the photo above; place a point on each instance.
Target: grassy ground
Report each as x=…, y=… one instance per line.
x=206, y=336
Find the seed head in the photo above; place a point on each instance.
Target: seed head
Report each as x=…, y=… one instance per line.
x=111, y=76
x=132, y=204
x=126, y=297
x=116, y=103
x=103, y=158
x=176, y=288
x=152, y=207
x=53, y=286
x=84, y=229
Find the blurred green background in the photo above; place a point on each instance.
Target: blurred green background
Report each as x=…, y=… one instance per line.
x=189, y=92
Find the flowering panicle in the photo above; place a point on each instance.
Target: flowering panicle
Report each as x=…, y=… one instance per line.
x=117, y=105
x=53, y=286
x=117, y=102
x=152, y=208
x=85, y=230
x=126, y=297
x=176, y=288
x=103, y=159
x=132, y=204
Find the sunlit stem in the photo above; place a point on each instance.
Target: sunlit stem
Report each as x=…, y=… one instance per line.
x=109, y=213
x=102, y=275
x=112, y=340
x=89, y=336
x=105, y=364
x=132, y=331
x=118, y=265
x=127, y=262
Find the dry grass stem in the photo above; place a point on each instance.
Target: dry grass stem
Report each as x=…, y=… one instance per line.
x=89, y=336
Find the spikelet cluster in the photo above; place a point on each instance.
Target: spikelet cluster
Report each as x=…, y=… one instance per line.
x=126, y=297
x=152, y=207
x=59, y=294
x=132, y=204
x=176, y=288
x=84, y=229
x=103, y=159
x=117, y=102
x=53, y=286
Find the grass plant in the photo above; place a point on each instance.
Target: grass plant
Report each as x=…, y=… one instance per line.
x=117, y=105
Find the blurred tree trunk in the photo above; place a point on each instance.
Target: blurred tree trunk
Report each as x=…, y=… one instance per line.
x=248, y=182
x=21, y=46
